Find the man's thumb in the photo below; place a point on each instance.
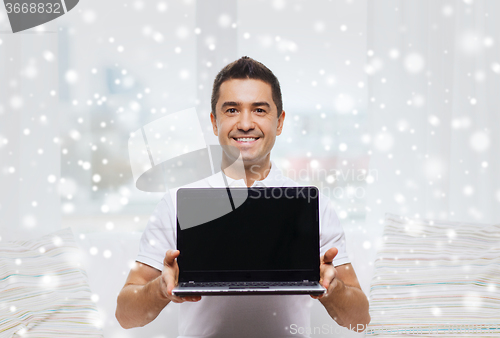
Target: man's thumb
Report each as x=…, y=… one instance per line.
x=170, y=257
x=330, y=255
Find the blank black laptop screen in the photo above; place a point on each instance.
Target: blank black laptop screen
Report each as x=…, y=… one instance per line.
x=272, y=235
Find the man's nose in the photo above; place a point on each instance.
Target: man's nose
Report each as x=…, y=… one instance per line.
x=245, y=121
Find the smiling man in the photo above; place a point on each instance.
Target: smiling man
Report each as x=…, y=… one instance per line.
x=248, y=121
x=247, y=115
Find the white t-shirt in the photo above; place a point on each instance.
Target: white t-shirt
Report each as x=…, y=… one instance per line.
x=238, y=316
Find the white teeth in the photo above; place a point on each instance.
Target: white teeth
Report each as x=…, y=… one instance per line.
x=245, y=139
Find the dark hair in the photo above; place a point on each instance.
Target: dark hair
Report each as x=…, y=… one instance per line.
x=247, y=68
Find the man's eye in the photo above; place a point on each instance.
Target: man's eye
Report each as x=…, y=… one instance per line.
x=231, y=110
x=260, y=110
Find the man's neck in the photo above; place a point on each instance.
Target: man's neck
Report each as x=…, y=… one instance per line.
x=248, y=172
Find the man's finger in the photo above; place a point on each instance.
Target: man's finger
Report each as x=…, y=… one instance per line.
x=170, y=257
x=330, y=255
x=327, y=277
x=179, y=300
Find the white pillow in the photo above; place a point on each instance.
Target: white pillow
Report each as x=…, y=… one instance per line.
x=44, y=290
x=436, y=277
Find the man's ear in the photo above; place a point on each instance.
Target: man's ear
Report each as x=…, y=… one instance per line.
x=280, y=123
x=214, y=124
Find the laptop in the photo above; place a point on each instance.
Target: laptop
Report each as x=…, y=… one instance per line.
x=242, y=241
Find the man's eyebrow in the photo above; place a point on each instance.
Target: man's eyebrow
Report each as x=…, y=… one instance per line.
x=254, y=104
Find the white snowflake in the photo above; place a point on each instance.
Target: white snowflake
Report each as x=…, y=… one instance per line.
x=479, y=76
x=399, y=198
x=265, y=41
x=436, y=311
x=71, y=76
x=162, y=6
x=29, y=221
x=319, y=26
x=30, y=71
x=138, y=5
x=394, y=53
x=433, y=120
x=68, y=208
x=495, y=67
x=285, y=45
x=16, y=102
x=479, y=141
x=224, y=20
x=472, y=302
x=184, y=74
x=57, y=241
x=374, y=66
x=89, y=16
x=471, y=43
x=384, y=141
x=344, y=103
x=468, y=190
x=158, y=37
x=447, y=10
x=488, y=41
x=279, y=4
x=461, y=122
x=414, y=63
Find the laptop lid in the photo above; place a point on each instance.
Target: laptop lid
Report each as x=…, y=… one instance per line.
x=248, y=234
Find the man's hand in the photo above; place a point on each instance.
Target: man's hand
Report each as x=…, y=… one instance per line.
x=169, y=279
x=327, y=272
x=344, y=300
x=147, y=291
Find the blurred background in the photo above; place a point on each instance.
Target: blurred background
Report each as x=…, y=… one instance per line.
x=391, y=106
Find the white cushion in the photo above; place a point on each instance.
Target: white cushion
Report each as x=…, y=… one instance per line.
x=435, y=277
x=44, y=290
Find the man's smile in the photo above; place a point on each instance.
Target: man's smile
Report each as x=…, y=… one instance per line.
x=246, y=140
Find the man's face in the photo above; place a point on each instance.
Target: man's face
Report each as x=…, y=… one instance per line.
x=246, y=109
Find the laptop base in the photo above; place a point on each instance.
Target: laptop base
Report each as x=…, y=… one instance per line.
x=317, y=290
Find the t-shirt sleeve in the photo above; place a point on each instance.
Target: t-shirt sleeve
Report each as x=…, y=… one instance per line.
x=331, y=232
x=159, y=235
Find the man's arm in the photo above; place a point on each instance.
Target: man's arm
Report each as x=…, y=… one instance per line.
x=147, y=291
x=344, y=300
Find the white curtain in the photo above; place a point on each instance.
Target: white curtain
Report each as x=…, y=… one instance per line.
x=434, y=104
x=30, y=161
